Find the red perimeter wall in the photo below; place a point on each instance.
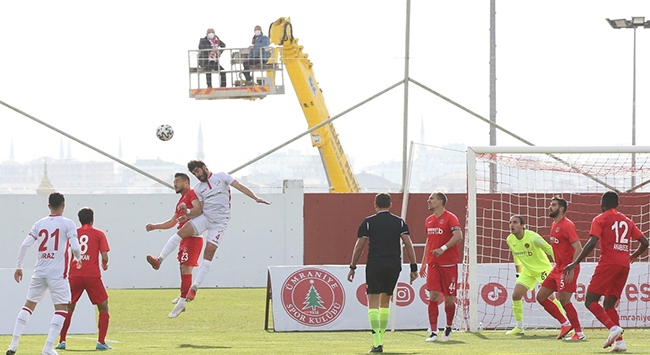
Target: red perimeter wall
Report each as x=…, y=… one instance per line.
x=332, y=220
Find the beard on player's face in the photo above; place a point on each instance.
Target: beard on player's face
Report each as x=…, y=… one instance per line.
x=554, y=214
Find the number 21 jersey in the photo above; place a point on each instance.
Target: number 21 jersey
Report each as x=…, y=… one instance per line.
x=51, y=234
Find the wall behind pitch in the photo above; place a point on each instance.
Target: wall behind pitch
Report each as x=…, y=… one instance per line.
x=258, y=236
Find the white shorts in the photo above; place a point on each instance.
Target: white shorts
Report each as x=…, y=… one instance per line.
x=59, y=290
x=215, y=229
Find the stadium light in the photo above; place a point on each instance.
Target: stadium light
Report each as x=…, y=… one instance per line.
x=636, y=21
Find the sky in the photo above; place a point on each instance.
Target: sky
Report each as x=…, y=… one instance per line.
x=112, y=71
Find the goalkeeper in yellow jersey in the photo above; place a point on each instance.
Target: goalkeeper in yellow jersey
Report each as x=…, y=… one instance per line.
x=531, y=253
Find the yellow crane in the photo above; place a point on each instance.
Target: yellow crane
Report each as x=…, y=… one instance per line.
x=339, y=173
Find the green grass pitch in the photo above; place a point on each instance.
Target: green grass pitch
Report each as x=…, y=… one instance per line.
x=231, y=321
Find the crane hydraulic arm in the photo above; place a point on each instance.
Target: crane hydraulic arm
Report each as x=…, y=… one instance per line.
x=339, y=173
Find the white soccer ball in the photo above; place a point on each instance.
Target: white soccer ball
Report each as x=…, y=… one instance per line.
x=164, y=132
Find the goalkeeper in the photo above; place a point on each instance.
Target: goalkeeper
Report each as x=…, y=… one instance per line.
x=530, y=252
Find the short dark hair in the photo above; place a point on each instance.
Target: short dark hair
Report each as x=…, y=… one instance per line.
x=520, y=218
x=183, y=176
x=609, y=200
x=442, y=197
x=86, y=215
x=382, y=200
x=193, y=164
x=56, y=200
x=561, y=202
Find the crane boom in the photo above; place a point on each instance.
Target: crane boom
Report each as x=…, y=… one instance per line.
x=339, y=173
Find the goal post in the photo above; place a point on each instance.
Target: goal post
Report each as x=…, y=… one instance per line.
x=525, y=181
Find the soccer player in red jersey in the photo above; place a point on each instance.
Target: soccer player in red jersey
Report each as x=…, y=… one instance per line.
x=614, y=231
x=88, y=278
x=189, y=248
x=566, y=248
x=441, y=257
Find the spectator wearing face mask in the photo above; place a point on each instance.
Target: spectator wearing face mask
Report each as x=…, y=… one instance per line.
x=259, y=52
x=210, y=59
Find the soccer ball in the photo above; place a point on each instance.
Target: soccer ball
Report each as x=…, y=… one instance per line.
x=164, y=132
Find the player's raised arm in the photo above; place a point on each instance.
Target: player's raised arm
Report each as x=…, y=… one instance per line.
x=163, y=225
x=248, y=192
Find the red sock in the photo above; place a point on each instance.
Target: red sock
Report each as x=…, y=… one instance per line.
x=613, y=315
x=186, y=283
x=600, y=314
x=102, y=324
x=64, y=328
x=433, y=316
x=450, y=311
x=552, y=309
x=572, y=314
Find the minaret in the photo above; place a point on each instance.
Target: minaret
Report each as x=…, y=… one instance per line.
x=11, y=150
x=119, y=148
x=61, y=156
x=45, y=188
x=199, y=154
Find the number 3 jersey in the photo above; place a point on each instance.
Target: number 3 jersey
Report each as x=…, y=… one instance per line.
x=92, y=242
x=614, y=231
x=51, y=235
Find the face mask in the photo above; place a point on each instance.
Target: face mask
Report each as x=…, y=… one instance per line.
x=211, y=35
x=258, y=32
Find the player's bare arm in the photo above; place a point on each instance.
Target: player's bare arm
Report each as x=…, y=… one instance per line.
x=104, y=260
x=640, y=250
x=423, y=267
x=356, y=254
x=164, y=225
x=577, y=247
x=18, y=275
x=248, y=192
x=410, y=251
x=456, y=237
x=591, y=243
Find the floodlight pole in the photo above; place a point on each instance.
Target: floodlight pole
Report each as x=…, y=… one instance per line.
x=633, y=24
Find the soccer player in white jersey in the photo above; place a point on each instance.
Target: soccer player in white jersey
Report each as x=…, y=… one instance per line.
x=52, y=233
x=213, y=215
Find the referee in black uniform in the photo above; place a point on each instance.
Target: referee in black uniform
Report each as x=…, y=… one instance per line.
x=385, y=233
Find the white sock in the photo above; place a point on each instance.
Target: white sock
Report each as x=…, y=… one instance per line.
x=21, y=322
x=203, y=271
x=55, y=328
x=520, y=325
x=172, y=244
x=565, y=323
x=181, y=302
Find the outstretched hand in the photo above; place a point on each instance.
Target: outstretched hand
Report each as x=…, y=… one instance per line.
x=423, y=271
x=261, y=200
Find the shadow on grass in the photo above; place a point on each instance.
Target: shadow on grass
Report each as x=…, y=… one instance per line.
x=192, y=346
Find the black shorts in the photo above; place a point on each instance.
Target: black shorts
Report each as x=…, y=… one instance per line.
x=381, y=277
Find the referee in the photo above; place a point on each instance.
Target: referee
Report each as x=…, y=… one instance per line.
x=384, y=232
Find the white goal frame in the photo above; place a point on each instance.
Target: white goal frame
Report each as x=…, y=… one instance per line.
x=471, y=234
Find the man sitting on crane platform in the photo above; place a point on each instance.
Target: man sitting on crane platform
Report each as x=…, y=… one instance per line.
x=259, y=53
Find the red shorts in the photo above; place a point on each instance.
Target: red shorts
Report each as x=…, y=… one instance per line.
x=555, y=280
x=189, y=251
x=608, y=280
x=442, y=279
x=93, y=286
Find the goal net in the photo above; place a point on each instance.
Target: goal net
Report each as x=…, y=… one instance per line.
x=504, y=181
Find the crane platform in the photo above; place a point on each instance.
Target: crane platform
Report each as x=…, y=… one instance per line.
x=267, y=77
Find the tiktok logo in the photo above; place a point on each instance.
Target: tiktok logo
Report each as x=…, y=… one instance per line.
x=494, y=294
